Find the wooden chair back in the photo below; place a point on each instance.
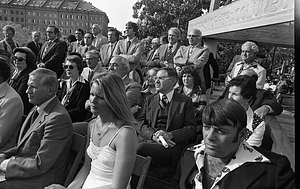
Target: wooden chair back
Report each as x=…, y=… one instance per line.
x=140, y=170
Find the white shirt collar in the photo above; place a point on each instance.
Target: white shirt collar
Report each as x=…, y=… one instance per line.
x=169, y=95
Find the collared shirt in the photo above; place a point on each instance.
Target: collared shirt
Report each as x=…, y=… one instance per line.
x=169, y=95
x=245, y=153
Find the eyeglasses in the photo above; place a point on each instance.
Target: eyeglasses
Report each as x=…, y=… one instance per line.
x=90, y=58
x=18, y=58
x=161, y=78
x=71, y=67
x=193, y=36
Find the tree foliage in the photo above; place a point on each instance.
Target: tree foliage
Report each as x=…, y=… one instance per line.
x=22, y=34
x=157, y=16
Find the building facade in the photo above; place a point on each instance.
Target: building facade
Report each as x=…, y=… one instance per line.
x=67, y=15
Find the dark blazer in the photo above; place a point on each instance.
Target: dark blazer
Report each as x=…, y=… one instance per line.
x=34, y=48
x=262, y=97
x=20, y=85
x=162, y=55
x=277, y=174
x=54, y=56
x=206, y=70
x=77, y=99
x=181, y=119
x=41, y=153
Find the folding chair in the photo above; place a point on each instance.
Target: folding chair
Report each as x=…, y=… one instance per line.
x=140, y=170
x=75, y=156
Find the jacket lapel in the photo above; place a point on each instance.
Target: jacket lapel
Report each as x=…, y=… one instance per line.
x=173, y=107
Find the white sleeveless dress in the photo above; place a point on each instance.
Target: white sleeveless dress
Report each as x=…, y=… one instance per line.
x=102, y=165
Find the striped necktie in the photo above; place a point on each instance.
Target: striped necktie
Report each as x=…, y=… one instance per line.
x=163, y=102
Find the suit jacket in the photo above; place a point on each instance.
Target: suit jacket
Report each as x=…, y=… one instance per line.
x=99, y=40
x=134, y=53
x=74, y=47
x=199, y=57
x=250, y=175
x=262, y=97
x=162, y=54
x=83, y=49
x=20, y=85
x=105, y=56
x=41, y=153
x=34, y=48
x=54, y=56
x=261, y=72
x=76, y=101
x=97, y=70
x=206, y=70
x=181, y=118
x=11, y=112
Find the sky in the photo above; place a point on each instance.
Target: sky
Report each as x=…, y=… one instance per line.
x=119, y=12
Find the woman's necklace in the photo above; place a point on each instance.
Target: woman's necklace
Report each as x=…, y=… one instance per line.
x=104, y=130
x=187, y=91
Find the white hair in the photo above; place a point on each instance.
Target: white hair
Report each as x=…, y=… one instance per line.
x=122, y=60
x=252, y=45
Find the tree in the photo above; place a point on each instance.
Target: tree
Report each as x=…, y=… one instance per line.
x=22, y=34
x=157, y=16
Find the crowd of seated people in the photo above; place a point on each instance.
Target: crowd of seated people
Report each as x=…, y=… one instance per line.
x=89, y=86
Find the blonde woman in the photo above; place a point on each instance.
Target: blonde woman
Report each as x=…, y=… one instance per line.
x=111, y=149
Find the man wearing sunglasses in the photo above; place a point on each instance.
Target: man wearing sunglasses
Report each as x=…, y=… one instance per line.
x=53, y=52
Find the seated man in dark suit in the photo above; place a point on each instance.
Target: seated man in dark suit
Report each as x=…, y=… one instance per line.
x=166, y=123
x=264, y=101
x=45, y=138
x=224, y=160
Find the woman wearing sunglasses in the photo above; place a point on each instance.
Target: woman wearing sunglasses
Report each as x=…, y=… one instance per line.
x=24, y=63
x=74, y=91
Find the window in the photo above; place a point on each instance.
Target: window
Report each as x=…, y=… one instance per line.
x=71, y=16
x=50, y=15
x=0, y=17
x=17, y=12
x=45, y=14
x=5, y=18
x=22, y=19
x=70, y=31
x=54, y=22
x=21, y=12
x=33, y=13
x=61, y=16
x=11, y=12
x=17, y=19
x=55, y=15
x=5, y=11
x=28, y=13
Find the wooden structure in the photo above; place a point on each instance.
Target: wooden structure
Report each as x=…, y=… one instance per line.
x=266, y=21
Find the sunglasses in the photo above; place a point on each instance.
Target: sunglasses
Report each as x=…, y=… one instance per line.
x=71, y=67
x=18, y=58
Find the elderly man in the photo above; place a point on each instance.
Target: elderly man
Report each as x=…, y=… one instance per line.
x=249, y=61
x=131, y=47
x=154, y=48
x=99, y=39
x=166, y=123
x=224, y=160
x=44, y=142
x=194, y=54
x=75, y=45
x=11, y=110
x=107, y=50
x=53, y=52
x=166, y=52
x=92, y=59
x=35, y=45
x=120, y=66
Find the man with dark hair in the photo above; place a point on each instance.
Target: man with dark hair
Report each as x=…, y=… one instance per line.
x=107, y=50
x=11, y=110
x=75, y=46
x=44, y=142
x=131, y=47
x=35, y=45
x=166, y=123
x=225, y=160
x=53, y=52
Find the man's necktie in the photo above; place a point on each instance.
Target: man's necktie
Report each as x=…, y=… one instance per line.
x=128, y=46
x=90, y=76
x=46, y=48
x=191, y=51
x=37, y=46
x=163, y=102
x=241, y=69
x=169, y=52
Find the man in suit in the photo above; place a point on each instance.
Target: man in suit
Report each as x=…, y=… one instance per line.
x=225, y=160
x=249, y=61
x=99, y=39
x=168, y=115
x=166, y=52
x=44, y=142
x=92, y=59
x=131, y=47
x=35, y=45
x=88, y=44
x=107, y=50
x=53, y=52
x=152, y=53
x=194, y=54
x=75, y=45
x=263, y=102
x=11, y=110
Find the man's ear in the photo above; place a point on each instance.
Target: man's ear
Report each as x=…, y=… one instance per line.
x=51, y=90
x=243, y=134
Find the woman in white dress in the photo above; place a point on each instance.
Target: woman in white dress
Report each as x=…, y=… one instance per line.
x=112, y=140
